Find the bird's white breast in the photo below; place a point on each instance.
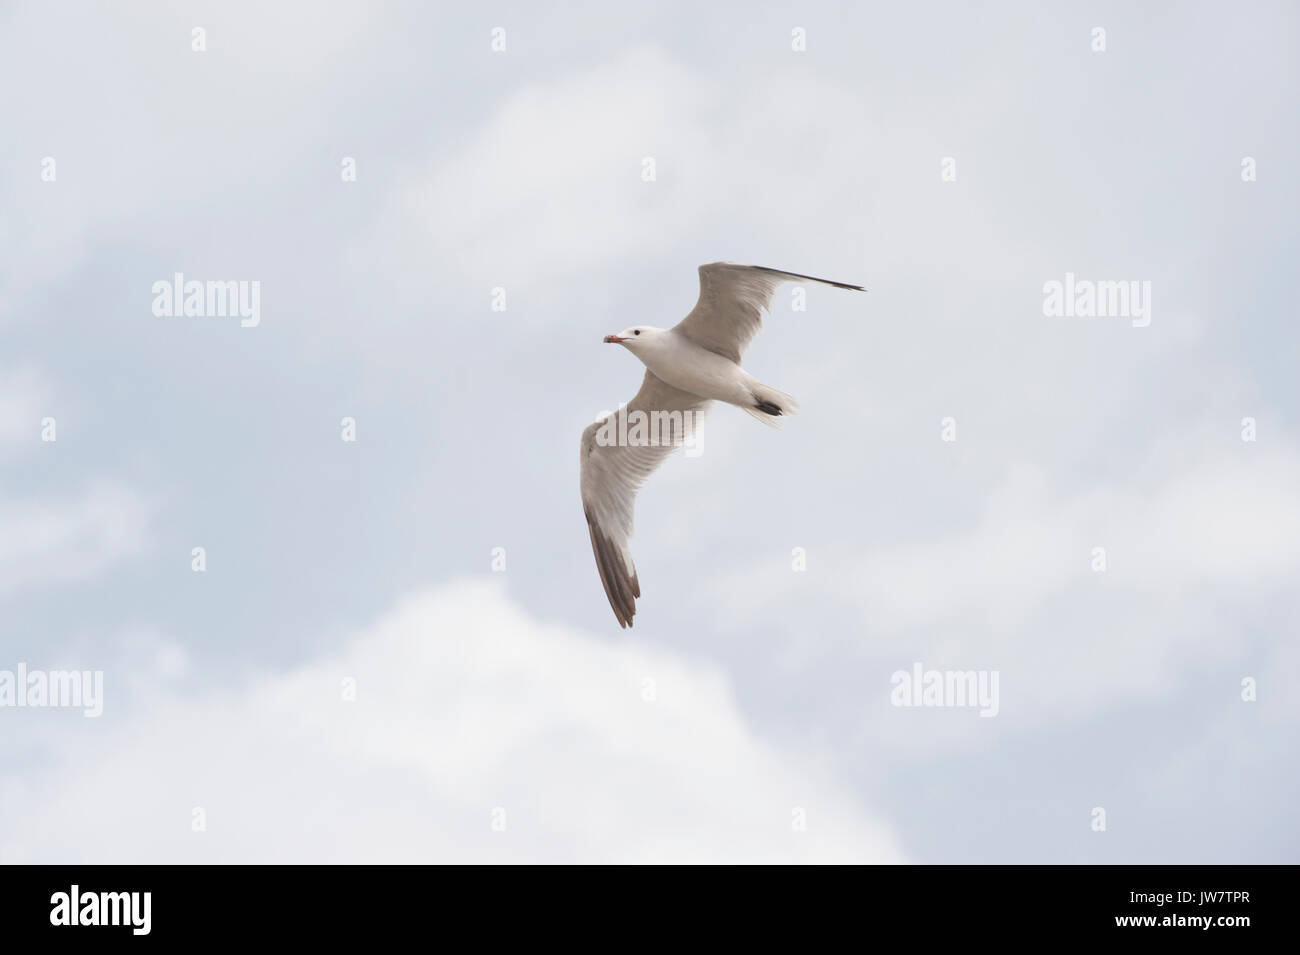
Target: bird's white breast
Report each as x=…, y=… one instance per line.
x=683, y=364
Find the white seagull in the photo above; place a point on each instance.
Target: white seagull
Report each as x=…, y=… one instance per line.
x=687, y=366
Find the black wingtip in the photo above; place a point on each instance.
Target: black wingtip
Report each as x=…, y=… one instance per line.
x=620, y=589
x=813, y=278
x=844, y=285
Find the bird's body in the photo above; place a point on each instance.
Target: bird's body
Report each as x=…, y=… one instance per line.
x=676, y=360
x=687, y=366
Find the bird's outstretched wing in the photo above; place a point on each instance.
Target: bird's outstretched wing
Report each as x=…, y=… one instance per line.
x=615, y=462
x=732, y=300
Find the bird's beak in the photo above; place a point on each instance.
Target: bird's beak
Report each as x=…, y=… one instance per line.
x=613, y=339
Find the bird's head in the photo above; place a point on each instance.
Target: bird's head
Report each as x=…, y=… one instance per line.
x=635, y=337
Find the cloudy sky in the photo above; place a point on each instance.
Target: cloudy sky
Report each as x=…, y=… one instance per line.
x=354, y=677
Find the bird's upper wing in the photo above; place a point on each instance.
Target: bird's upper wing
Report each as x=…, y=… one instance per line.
x=612, y=472
x=733, y=297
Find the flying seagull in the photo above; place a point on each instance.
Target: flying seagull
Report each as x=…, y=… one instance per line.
x=687, y=366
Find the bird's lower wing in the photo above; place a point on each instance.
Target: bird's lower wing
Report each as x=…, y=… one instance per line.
x=619, y=451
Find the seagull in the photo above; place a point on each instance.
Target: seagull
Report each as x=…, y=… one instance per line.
x=687, y=366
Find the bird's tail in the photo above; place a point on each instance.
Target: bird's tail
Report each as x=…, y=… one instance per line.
x=769, y=405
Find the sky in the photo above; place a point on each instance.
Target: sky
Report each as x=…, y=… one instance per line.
x=397, y=648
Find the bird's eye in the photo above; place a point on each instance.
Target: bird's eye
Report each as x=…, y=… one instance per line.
x=636, y=331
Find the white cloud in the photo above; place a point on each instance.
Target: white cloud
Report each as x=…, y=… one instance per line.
x=551, y=186
x=245, y=105
x=465, y=704
x=72, y=537
x=24, y=400
x=1193, y=543
x=57, y=536
x=1229, y=521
